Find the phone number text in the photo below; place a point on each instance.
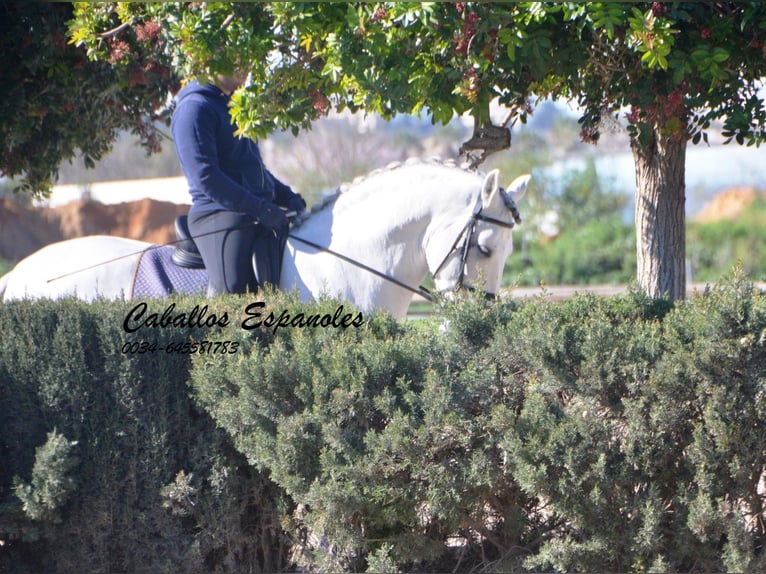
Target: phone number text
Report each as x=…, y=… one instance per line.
x=182, y=347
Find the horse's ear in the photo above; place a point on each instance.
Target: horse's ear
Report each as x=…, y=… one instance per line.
x=518, y=187
x=490, y=186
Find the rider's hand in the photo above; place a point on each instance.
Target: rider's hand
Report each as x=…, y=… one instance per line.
x=272, y=217
x=296, y=203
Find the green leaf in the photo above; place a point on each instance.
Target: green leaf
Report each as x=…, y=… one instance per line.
x=505, y=35
x=720, y=55
x=511, y=51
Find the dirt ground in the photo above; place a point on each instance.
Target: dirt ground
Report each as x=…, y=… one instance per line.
x=729, y=204
x=24, y=229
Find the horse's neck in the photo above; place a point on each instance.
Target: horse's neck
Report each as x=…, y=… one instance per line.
x=386, y=223
x=392, y=215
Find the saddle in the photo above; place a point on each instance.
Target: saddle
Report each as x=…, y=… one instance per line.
x=266, y=256
x=186, y=253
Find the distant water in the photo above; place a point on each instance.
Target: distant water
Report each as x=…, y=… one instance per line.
x=172, y=189
x=709, y=170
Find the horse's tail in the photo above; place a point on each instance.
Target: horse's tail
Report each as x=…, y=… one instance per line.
x=4, y=283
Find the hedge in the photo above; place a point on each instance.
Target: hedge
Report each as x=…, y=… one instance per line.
x=101, y=453
x=597, y=434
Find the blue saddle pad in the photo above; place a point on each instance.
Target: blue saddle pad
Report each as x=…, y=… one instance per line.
x=157, y=276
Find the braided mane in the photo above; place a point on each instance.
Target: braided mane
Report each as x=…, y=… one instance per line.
x=330, y=198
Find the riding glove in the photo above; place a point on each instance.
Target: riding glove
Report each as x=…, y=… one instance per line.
x=271, y=217
x=296, y=204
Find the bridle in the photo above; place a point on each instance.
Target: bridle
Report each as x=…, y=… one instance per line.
x=462, y=243
x=465, y=237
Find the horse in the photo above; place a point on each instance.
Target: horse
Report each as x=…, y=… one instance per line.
x=370, y=244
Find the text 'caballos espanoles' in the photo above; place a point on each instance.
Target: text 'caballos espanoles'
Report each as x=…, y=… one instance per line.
x=140, y=317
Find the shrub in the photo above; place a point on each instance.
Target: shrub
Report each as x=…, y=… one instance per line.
x=94, y=442
x=600, y=251
x=375, y=433
x=596, y=434
x=639, y=431
x=51, y=483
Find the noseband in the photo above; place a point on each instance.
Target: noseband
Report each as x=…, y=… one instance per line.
x=463, y=240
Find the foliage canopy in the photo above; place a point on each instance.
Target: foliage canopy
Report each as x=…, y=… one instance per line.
x=446, y=58
x=673, y=67
x=55, y=102
x=683, y=64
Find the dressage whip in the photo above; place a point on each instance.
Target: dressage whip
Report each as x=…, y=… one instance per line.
x=134, y=253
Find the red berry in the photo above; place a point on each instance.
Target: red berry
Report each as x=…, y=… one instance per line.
x=136, y=77
x=147, y=32
x=380, y=14
x=58, y=39
x=659, y=9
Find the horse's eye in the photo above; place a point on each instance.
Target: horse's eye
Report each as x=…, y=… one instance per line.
x=484, y=250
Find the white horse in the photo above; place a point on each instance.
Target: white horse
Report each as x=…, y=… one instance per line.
x=384, y=233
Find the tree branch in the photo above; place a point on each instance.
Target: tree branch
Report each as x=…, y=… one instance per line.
x=489, y=138
x=229, y=19
x=114, y=31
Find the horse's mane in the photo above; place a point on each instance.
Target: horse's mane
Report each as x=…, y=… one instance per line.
x=330, y=198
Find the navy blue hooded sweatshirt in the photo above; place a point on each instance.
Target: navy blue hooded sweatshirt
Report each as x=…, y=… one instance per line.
x=224, y=172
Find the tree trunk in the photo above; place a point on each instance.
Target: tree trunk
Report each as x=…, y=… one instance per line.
x=660, y=213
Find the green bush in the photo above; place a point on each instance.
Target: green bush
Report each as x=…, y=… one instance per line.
x=105, y=463
x=324, y=412
x=594, y=244
x=596, y=434
x=642, y=431
x=51, y=483
x=599, y=251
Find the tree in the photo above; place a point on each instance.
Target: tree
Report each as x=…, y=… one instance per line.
x=56, y=103
x=675, y=67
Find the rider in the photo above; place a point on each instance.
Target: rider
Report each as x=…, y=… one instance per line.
x=235, y=199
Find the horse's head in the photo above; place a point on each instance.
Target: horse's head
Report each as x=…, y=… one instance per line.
x=475, y=257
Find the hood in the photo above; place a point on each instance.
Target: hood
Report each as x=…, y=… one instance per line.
x=194, y=87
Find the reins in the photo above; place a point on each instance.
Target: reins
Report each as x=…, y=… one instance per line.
x=467, y=233
x=422, y=291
